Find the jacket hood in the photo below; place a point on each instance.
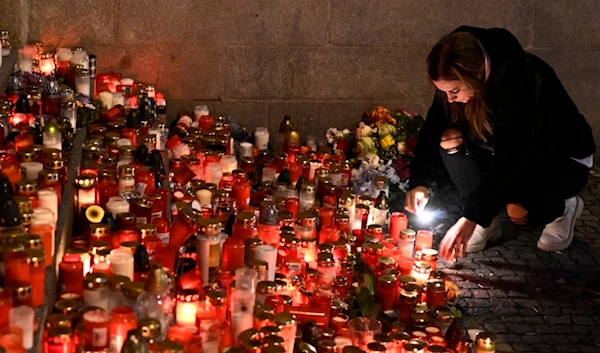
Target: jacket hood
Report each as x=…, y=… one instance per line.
x=507, y=58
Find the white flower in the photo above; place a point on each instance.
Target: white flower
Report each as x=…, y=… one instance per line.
x=332, y=135
x=364, y=130
x=402, y=147
x=373, y=158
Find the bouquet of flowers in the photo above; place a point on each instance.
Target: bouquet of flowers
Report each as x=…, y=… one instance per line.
x=384, y=142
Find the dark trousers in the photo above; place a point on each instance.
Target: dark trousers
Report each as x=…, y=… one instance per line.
x=542, y=195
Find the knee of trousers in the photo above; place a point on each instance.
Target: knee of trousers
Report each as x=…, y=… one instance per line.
x=451, y=140
x=517, y=213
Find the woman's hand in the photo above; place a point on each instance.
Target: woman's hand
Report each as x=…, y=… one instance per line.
x=416, y=199
x=455, y=241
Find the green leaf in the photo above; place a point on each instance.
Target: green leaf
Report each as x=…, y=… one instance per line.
x=366, y=302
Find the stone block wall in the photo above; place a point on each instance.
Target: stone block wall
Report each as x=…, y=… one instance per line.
x=323, y=62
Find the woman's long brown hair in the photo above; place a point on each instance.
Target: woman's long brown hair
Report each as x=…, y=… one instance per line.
x=459, y=56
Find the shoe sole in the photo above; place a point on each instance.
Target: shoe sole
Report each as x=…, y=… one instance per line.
x=566, y=243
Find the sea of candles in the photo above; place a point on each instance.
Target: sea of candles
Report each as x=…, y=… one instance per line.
x=181, y=241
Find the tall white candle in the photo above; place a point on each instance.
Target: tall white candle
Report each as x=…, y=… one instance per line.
x=47, y=198
x=82, y=84
x=44, y=215
x=209, y=254
x=106, y=98
x=121, y=261
x=32, y=169
x=261, y=138
x=242, y=311
x=267, y=253
x=52, y=140
x=23, y=317
x=246, y=279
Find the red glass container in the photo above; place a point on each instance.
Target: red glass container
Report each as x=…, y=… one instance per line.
x=244, y=226
x=23, y=141
x=70, y=274
x=241, y=193
x=38, y=276
x=46, y=232
x=96, y=329
x=123, y=319
x=398, y=222
x=436, y=294
x=328, y=234
x=144, y=181
x=16, y=268
x=233, y=254
x=387, y=288
x=123, y=236
x=326, y=215
x=131, y=134
x=5, y=306
x=183, y=227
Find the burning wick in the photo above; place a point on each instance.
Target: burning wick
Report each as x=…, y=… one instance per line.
x=425, y=216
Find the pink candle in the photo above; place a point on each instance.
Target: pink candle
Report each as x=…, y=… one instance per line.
x=424, y=240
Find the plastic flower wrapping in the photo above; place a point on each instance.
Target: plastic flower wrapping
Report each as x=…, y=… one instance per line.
x=384, y=142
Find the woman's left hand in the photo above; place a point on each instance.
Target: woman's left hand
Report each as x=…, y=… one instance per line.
x=455, y=241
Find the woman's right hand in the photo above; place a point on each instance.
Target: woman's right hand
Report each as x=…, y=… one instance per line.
x=416, y=199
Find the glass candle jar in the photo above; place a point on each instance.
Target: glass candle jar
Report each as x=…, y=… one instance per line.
x=38, y=276
x=123, y=320
x=420, y=272
x=23, y=317
x=16, y=268
x=261, y=139
x=397, y=223
x=424, y=240
x=183, y=227
x=208, y=244
x=96, y=290
x=406, y=243
x=96, y=324
x=307, y=196
x=70, y=274
x=82, y=82
x=185, y=310
x=287, y=325
x=436, y=294
x=233, y=254
x=387, y=289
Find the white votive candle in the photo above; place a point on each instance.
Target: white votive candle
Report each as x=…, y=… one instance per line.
x=118, y=99
x=106, y=98
x=246, y=149
x=126, y=81
x=23, y=317
x=213, y=173
x=229, y=163
x=117, y=206
x=47, y=198
x=200, y=111
x=261, y=138
x=267, y=253
x=32, y=169
x=44, y=215
x=121, y=261
x=123, y=142
x=52, y=140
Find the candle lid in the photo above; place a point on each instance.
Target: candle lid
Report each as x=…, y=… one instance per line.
x=391, y=271
x=389, y=279
x=413, y=287
x=36, y=257
x=415, y=346
x=408, y=234
x=307, y=187
x=95, y=280
x=149, y=327
x=325, y=248
x=26, y=186
x=82, y=72
x=325, y=259
x=127, y=151
x=99, y=230
x=283, y=319
x=340, y=281
x=266, y=287
x=26, y=155
x=217, y=297
x=168, y=346
x=54, y=163
x=10, y=236
x=382, y=337
x=376, y=347
x=245, y=219
x=57, y=321
x=188, y=296
x=208, y=227
x=375, y=229
x=85, y=181
x=146, y=229
x=421, y=267
x=132, y=290
x=386, y=260
x=67, y=306
x=60, y=335
x=273, y=349
x=435, y=348
x=48, y=176
x=157, y=281
x=352, y=349
x=118, y=282
x=129, y=245
x=366, y=201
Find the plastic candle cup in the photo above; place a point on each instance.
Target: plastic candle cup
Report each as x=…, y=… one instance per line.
x=424, y=240
x=268, y=254
x=122, y=262
x=32, y=169
x=49, y=199
x=261, y=138
x=23, y=318
x=213, y=173
x=95, y=324
x=187, y=304
x=420, y=272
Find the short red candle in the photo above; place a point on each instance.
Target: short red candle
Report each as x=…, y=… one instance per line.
x=123, y=320
x=46, y=232
x=241, y=193
x=233, y=254
x=326, y=216
x=70, y=274
x=292, y=205
x=398, y=222
x=424, y=240
x=16, y=268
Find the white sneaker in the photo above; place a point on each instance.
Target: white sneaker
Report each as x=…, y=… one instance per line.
x=558, y=235
x=482, y=235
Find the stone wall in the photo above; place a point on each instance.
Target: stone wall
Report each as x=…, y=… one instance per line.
x=323, y=62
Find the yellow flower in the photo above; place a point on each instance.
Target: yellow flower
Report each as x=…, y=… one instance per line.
x=387, y=142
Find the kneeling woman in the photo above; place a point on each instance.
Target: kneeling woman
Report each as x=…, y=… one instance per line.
x=506, y=132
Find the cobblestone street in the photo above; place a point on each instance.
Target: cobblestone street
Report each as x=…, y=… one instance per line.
x=532, y=300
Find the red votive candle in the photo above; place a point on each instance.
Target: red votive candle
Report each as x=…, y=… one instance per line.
x=424, y=240
x=398, y=222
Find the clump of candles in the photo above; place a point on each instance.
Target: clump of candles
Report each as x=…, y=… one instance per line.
x=185, y=239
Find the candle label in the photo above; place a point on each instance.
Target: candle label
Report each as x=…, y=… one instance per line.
x=140, y=187
x=164, y=237
x=214, y=259
x=141, y=220
x=99, y=337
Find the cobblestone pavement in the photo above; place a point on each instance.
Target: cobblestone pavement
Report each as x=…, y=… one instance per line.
x=535, y=301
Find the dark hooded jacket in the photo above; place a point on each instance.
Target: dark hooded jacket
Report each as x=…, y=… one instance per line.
x=534, y=123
